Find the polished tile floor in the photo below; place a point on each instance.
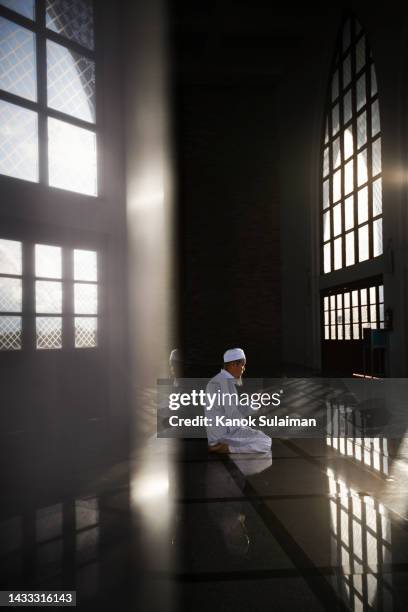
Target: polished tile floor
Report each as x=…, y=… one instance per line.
x=322, y=525
x=322, y=528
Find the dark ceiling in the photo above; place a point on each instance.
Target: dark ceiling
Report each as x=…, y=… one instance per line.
x=238, y=41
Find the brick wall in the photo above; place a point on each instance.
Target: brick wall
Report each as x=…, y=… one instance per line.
x=228, y=227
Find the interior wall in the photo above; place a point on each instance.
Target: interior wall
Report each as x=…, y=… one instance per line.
x=228, y=225
x=301, y=98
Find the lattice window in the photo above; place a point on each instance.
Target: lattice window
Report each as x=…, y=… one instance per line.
x=86, y=329
x=17, y=65
x=10, y=333
x=63, y=293
x=71, y=82
x=72, y=19
x=48, y=261
x=85, y=265
x=47, y=93
x=49, y=332
x=85, y=298
x=73, y=172
x=348, y=312
x=351, y=218
x=18, y=142
x=48, y=296
x=11, y=297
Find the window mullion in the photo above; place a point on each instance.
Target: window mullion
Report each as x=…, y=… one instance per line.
x=360, y=318
x=28, y=310
x=21, y=20
x=67, y=299
x=342, y=166
x=42, y=93
x=369, y=159
x=331, y=175
x=353, y=126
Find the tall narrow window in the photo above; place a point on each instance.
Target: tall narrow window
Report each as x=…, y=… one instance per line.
x=85, y=298
x=10, y=295
x=48, y=296
x=47, y=93
x=351, y=195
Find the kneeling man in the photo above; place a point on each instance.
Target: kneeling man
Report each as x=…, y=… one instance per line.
x=239, y=438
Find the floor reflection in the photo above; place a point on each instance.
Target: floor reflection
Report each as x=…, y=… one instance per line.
x=78, y=543
x=363, y=525
x=313, y=527
x=36, y=544
x=153, y=488
x=346, y=435
x=361, y=546
x=231, y=520
x=318, y=525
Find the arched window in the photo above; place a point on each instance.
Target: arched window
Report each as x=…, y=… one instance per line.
x=47, y=93
x=352, y=304
x=351, y=194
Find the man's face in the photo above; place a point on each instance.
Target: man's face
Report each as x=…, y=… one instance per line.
x=237, y=368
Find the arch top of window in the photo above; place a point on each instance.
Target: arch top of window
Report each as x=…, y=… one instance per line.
x=351, y=170
x=353, y=55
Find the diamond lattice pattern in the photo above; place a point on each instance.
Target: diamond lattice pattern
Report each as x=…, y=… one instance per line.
x=70, y=82
x=73, y=19
x=10, y=333
x=17, y=60
x=49, y=332
x=18, y=142
x=85, y=332
x=10, y=294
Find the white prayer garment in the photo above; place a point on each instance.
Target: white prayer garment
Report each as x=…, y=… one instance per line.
x=239, y=438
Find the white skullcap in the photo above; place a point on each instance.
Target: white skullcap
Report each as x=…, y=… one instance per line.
x=234, y=354
x=175, y=355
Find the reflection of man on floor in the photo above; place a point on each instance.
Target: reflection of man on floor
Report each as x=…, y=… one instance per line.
x=164, y=412
x=232, y=439
x=175, y=366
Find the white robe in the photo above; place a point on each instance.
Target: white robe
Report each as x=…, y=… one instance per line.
x=240, y=439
